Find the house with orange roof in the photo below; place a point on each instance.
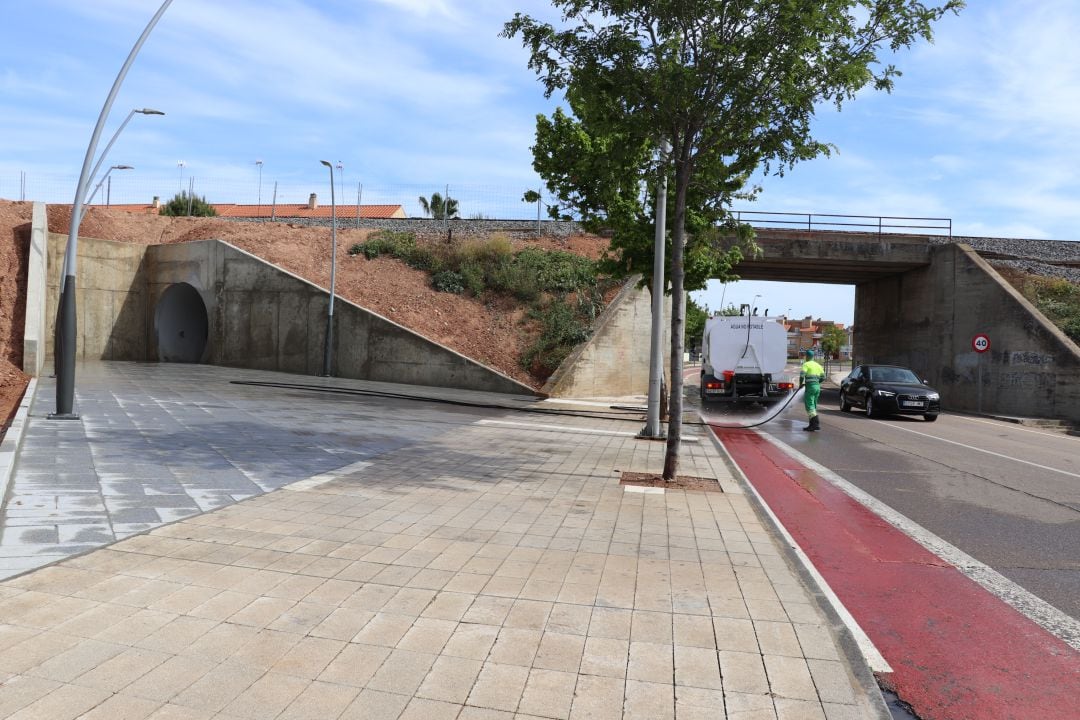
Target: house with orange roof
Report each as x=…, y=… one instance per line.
x=284, y=211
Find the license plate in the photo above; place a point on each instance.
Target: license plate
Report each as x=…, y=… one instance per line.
x=911, y=403
x=713, y=391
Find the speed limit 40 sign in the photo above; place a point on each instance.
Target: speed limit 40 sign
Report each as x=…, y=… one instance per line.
x=980, y=343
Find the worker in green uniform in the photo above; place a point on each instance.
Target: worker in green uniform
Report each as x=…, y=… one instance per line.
x=811, y=376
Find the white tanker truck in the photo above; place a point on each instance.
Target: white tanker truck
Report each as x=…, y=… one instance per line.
x=743, y=360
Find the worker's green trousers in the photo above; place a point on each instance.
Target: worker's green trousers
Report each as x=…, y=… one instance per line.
x=811, y=391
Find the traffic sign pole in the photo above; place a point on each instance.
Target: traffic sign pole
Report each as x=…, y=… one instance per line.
x=980, y=344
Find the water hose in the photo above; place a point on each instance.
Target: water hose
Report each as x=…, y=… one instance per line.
x=783, y=407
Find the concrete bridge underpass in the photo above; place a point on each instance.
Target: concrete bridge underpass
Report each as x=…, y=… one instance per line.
x=920, y=299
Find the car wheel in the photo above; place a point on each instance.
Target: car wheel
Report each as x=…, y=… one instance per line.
x=845, y=406
x=930, y=417
x=871, y=412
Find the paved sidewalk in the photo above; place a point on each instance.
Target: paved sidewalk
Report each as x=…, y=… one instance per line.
x=415, y=561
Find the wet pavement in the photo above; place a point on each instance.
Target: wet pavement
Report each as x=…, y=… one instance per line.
x=344, y=550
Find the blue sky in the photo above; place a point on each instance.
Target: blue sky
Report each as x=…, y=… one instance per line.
x=412, y=95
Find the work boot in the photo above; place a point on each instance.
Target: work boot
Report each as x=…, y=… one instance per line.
x=815, y=422
x=811, y=427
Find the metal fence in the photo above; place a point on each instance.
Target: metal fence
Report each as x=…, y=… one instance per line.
x=863, y=223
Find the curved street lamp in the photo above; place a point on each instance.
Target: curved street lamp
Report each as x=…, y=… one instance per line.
x=103, y=179
x=333, y=273
x=66, y=331
x=259, y=163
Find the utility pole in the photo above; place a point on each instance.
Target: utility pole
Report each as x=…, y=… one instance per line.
x=652, y=427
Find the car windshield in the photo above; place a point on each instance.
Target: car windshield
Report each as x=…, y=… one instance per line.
x=893, y=374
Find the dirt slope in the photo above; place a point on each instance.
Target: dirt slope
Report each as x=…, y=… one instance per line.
x=491, y=334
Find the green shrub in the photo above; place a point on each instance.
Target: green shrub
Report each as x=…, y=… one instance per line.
x=421, y=258
x=517, y=279
x=1059, y=301
x=561, y=331
x=181, y=203
x=487, y=251
x=558, y=270
x=385, y=242
x=448, y=281
x=473, y=277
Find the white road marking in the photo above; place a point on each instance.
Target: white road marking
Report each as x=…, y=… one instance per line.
x=1038, y=610
x=569, y=428
x=873, y=657
x=557, y=428
x=988, y=452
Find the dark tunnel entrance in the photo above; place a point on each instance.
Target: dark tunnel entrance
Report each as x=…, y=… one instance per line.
x=181, y=325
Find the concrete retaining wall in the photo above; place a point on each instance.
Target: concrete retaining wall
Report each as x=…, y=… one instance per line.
x=615, y=360
x=259, y=316
x=110, y=296
x=926, y=319
x=34, y=329
x=262, y=317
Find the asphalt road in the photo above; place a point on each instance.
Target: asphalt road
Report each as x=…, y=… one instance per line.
x=1006, y=494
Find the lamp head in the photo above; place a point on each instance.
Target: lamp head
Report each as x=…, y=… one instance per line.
x=327, y=164
x=149, y=111
x=122, y=167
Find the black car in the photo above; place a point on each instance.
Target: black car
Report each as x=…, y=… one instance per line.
x=889, y=390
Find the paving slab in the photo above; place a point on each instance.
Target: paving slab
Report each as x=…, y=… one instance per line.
x=266, y=550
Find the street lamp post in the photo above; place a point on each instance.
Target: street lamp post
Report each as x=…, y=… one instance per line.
x=652, y=427
x=104, y=178
x=260, y=164
x=64, y=349
x=105, y=153
x=327, y=352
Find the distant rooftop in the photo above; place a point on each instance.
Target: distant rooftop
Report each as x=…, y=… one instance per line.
x=310, y=209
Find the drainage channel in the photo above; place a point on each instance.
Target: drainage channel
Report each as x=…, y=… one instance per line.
x=898, y=709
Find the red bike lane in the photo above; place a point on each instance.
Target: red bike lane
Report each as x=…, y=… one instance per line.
x=957, y=651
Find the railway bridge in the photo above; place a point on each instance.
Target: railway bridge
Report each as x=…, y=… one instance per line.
x=922, y=295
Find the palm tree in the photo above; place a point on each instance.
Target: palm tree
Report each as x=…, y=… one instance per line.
x=438, y=208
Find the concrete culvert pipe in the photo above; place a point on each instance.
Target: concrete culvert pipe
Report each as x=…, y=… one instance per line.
x=181, y=325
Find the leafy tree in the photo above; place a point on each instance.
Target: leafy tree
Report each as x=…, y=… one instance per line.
x=832, y=339
x=732, y=86
x=731, y=311
x=695, y=323
x=438, y=207
x=182, y=205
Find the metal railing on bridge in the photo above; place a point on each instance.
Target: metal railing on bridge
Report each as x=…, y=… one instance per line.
x=826, y=221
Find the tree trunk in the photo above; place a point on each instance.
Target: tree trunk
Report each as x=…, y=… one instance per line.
x=678, y=323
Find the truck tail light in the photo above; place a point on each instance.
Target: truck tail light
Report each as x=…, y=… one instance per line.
x=729, y=376
x=786, y=386
x=714, y=385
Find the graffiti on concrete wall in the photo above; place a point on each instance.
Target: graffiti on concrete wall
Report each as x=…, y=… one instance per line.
x=1026, y=380
x=1030, y=358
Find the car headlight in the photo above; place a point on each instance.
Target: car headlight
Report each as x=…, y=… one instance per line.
x=885, y=393
x=933, y=396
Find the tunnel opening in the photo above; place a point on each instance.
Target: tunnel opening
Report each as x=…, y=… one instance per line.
x=181, y=325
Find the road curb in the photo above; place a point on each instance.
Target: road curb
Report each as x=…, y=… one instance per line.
x=9, y=448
